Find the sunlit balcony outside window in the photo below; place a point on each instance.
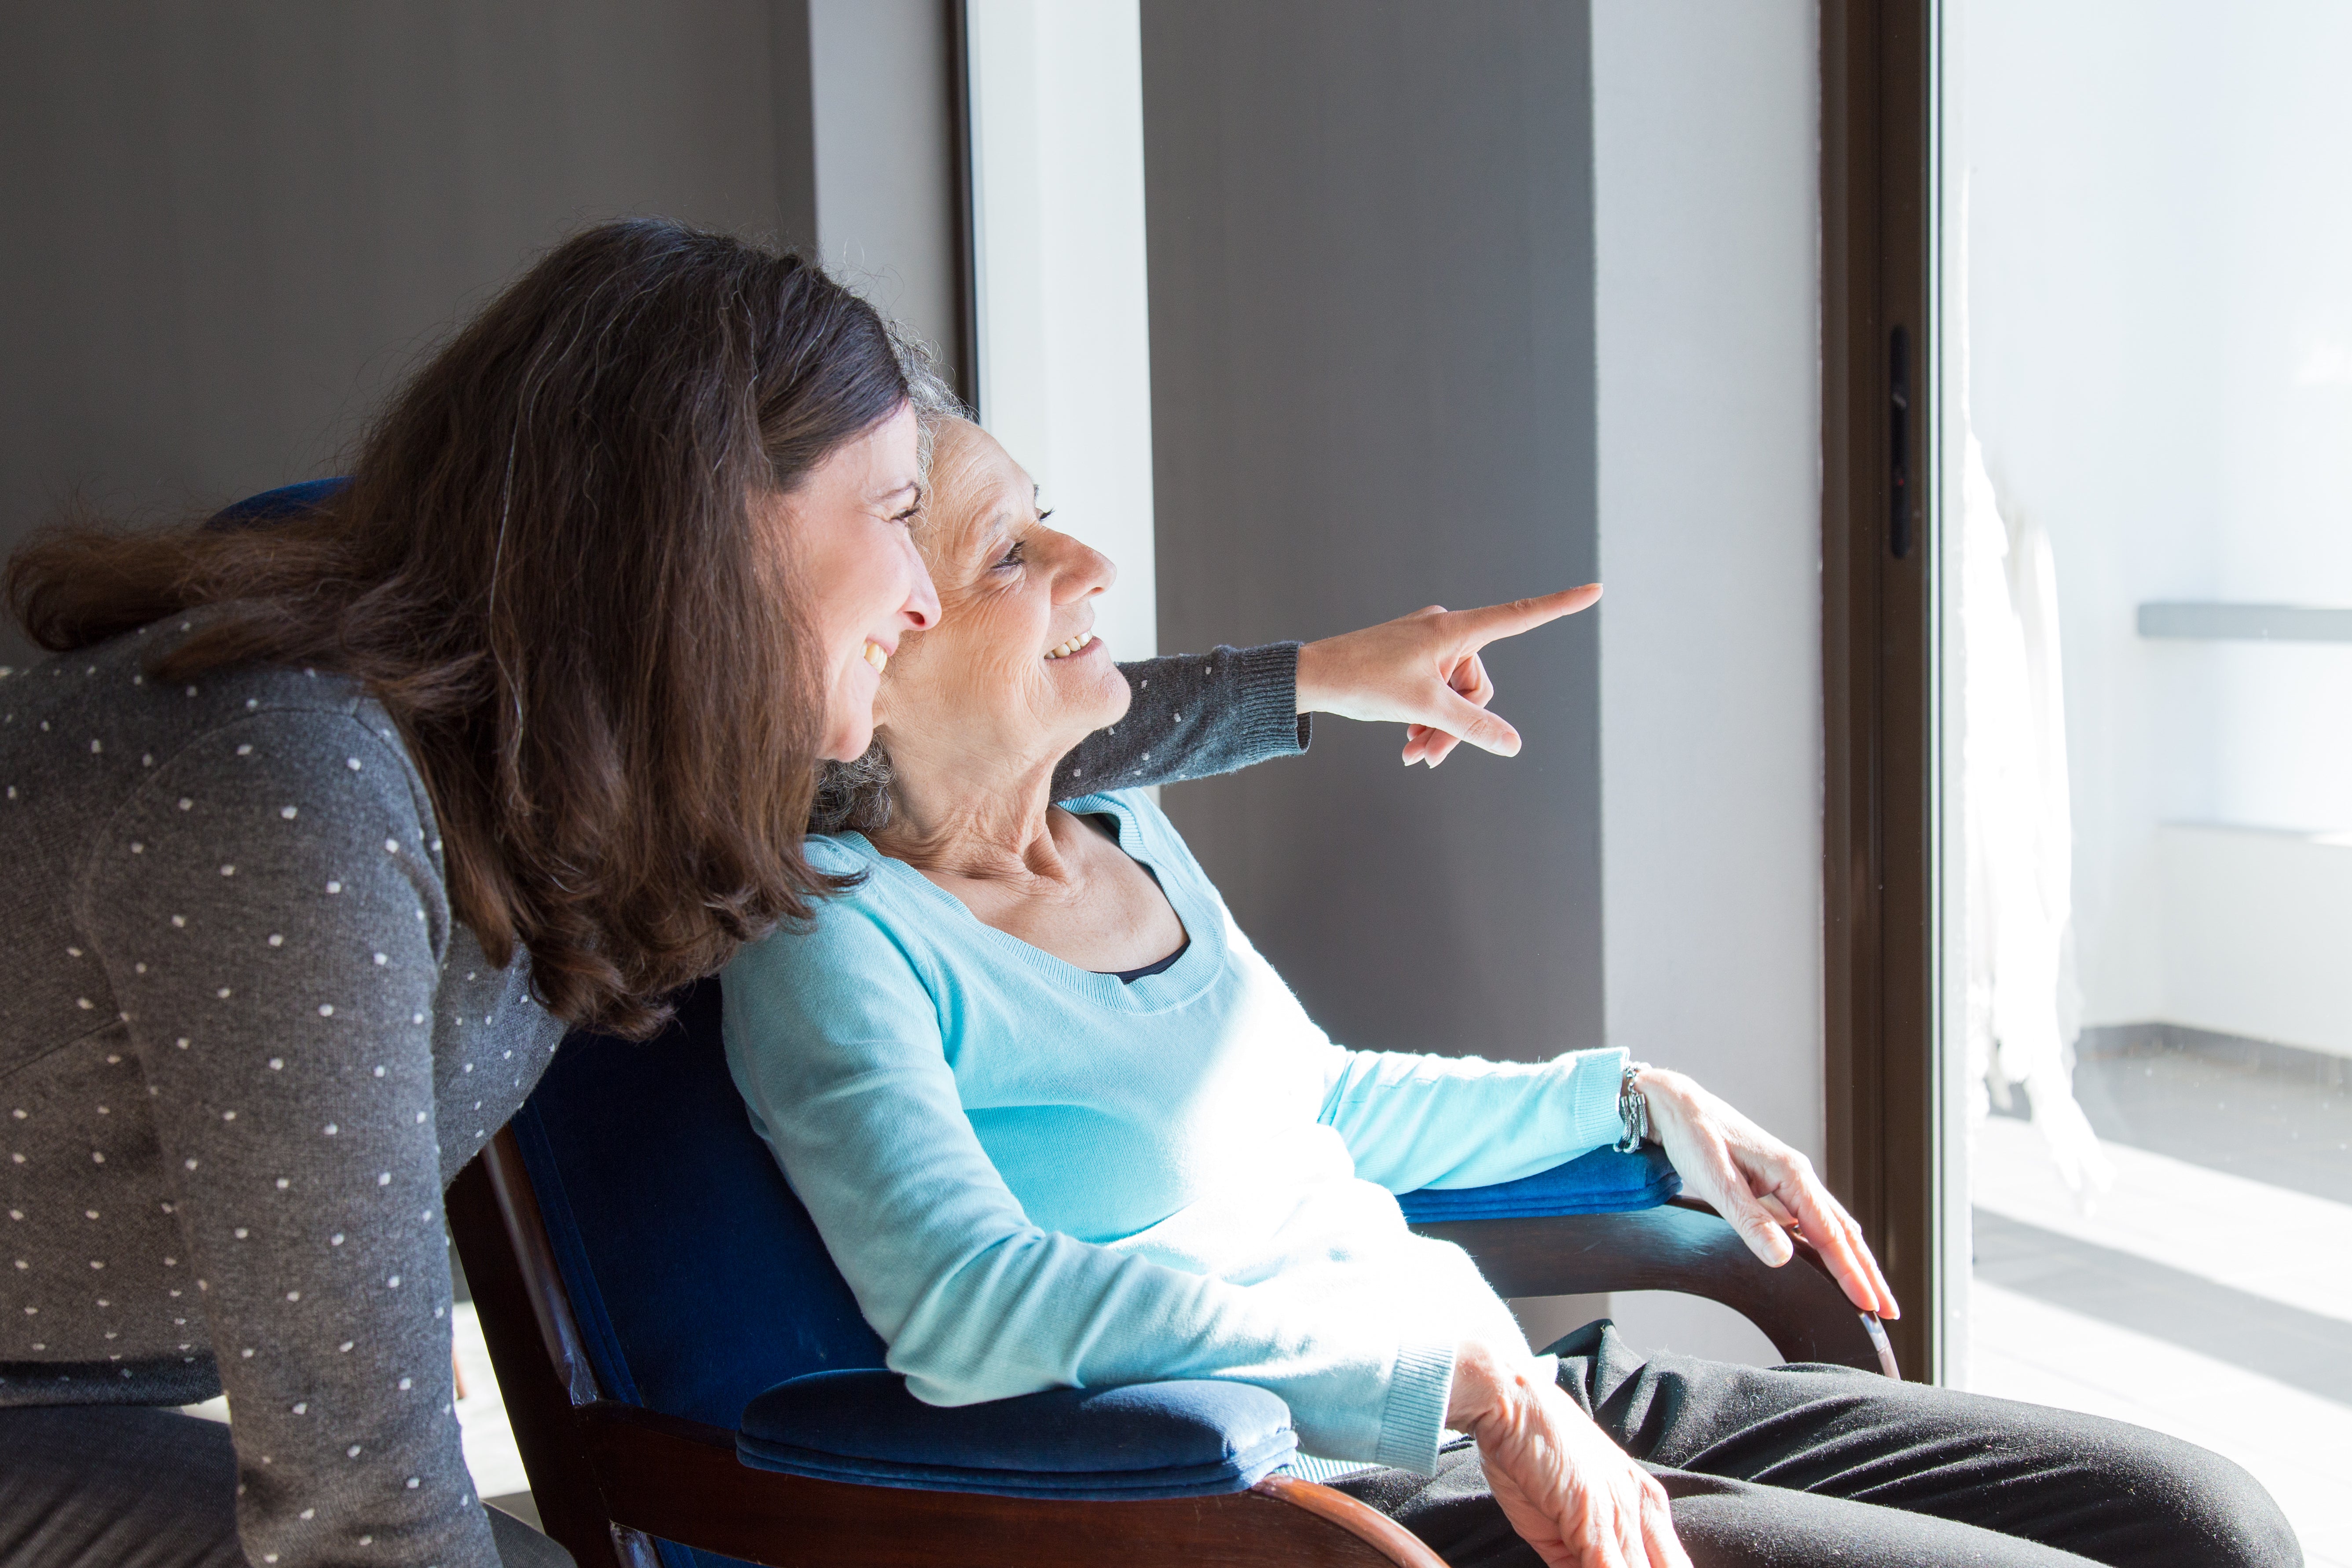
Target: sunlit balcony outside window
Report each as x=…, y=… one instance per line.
x=2146, y=287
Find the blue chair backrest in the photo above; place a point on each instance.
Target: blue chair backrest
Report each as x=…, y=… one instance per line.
x=698, y=1279
x=279, y=505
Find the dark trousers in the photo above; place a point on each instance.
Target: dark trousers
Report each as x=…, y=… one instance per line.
x=1790, y=1466
x=119, y=1486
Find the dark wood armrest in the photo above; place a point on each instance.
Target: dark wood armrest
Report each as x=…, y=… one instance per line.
x=1682, y=1245
x=681, y=1480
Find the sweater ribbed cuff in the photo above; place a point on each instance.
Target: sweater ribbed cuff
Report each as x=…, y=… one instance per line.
x=1595, y=1078
x=1267, y=715
x=1412, y=1417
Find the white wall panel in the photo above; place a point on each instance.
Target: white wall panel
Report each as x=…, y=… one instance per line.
x=1064, y=312
x=1706, y=223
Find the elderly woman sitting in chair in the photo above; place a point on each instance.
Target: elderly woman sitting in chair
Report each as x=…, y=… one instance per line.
x=1060, y=1126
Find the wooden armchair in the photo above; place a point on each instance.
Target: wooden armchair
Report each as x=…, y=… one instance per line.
x=643, y=1274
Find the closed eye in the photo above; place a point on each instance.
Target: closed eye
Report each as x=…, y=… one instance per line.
x=1014, y=555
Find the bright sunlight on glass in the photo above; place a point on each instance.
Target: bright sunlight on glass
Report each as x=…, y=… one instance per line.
x=2147, y=292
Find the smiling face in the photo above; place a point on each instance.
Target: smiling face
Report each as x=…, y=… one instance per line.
x=848, y=523
x=1012, y=675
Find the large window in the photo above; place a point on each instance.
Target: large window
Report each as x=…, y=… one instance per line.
x=2145, y=590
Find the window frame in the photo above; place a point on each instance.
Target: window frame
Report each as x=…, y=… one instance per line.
x=1880, y=753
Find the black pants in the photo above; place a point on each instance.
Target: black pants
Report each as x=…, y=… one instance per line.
x=118, y=1486
x=1794, y=1466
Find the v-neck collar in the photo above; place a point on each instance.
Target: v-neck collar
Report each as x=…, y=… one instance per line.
x=1195, y=969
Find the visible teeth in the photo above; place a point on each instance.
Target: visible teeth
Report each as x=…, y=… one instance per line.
x=876, y=656
x=1065, y=649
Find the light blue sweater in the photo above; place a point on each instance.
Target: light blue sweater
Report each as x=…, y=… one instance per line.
x=1035, y=1176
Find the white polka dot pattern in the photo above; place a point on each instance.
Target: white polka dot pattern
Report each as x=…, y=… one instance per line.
x=218, y=1081
x=1192, y=715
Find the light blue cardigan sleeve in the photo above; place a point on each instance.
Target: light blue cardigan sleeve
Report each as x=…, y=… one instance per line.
x=1414, y=1122
x=835, y=1043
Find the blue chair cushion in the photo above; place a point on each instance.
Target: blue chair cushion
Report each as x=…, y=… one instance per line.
x=1602, y=1182
x=1150, y=1440
x=277, y=505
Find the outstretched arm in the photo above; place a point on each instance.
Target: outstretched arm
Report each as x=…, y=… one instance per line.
x=1198, y=714
x=1192, y=715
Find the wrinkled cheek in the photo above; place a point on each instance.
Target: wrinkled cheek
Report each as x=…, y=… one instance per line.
x=1036, y=685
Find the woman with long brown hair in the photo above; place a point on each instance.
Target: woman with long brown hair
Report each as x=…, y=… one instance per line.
x=325, y=829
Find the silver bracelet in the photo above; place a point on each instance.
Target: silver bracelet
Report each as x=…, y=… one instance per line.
x=1633, y=1109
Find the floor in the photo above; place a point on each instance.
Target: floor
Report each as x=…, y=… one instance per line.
x=2208, y=1295
x=491, y=1453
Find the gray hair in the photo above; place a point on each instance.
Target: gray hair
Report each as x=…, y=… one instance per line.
x=852, y=798
x=934, y=401
x=855, y=796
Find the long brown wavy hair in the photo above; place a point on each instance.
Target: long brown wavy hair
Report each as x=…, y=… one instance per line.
x=556, y=567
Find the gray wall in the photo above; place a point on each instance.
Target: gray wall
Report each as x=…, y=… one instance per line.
x=231, y=227
x=1370, y=230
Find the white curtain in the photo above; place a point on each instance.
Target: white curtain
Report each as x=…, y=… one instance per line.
x=2024, y=1009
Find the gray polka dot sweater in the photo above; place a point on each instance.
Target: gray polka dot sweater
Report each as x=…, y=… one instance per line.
x=244, y=1048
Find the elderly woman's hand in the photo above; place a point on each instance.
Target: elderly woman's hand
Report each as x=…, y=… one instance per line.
x=1423, y=669
x=1573, y=1495
x=1760, y=1185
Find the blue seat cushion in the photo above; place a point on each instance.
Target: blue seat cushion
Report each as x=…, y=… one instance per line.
x=1149, y=1441
x=1602, y=1182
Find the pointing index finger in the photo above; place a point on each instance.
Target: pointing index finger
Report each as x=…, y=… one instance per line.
x=1483, y=627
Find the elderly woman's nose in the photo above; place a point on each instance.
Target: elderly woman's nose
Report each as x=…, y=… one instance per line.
x=1084, y=571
